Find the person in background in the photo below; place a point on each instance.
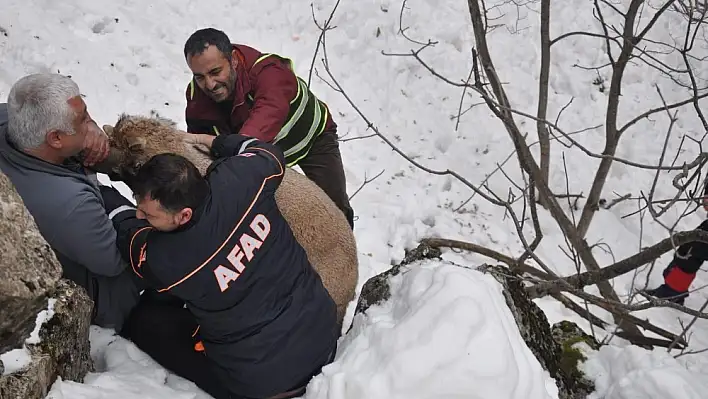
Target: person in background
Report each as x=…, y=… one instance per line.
x=681, y=272
x=238, y=89
x=258, y=321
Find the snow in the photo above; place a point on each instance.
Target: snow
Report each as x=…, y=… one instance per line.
x=446, y=331
x=632, y=372
x=468, y=342
x=17, y=359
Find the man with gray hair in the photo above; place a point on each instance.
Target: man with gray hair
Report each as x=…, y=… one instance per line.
x=46, y=129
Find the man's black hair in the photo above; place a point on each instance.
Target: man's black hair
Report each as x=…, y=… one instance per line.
x=203, y=38
x=172, y=180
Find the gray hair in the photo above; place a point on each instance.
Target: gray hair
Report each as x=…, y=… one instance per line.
x=36, y=105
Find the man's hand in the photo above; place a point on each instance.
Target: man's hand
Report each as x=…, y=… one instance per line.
x=96, y=147
x=196, y=138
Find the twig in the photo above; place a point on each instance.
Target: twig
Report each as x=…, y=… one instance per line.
x=323, y=29
x=403, y=30
x=462, y=97
x=688, y=327
x=584, y=313
x=366, y=181
x=616, y=201
x=342, y=140
x=490, y=253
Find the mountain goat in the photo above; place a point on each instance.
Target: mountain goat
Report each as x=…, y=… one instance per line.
x=318, y=225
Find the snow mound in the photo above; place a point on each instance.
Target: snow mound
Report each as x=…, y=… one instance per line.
x=445, y=332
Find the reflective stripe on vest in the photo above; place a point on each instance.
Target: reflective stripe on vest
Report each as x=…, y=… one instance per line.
x=306, y=119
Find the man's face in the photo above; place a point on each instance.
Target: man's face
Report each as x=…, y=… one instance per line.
x=69, y=144
x=214, y=74
x=152, y=211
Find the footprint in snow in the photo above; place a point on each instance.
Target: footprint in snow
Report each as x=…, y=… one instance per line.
x=105, y=25
x=132, y=78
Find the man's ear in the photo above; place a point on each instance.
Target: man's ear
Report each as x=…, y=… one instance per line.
x=234, y=59
x=184, y=216
x=53, y=139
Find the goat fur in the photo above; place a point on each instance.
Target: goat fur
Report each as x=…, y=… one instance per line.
x=318, y=225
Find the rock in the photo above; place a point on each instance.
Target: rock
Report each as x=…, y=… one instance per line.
x=555, y=352
x=536, y=332
x=63, y=350
x=29, y=268
x=376, y=289
x=568, y=335
x=30, y=275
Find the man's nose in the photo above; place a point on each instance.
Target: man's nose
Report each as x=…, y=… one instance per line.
x=211, y=83
x=140, y=215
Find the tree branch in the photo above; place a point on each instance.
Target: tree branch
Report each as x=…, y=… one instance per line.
x=619, y=268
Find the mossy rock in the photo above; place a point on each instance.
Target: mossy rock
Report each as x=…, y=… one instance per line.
x=541, y=339
x=567, y=335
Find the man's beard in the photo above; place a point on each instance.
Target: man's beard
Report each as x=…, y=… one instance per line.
x=224, y=91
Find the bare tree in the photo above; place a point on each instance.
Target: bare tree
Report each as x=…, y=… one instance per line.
x=627, y=40
x=626, y=37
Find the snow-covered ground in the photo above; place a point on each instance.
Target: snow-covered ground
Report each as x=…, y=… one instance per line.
x=446, y=332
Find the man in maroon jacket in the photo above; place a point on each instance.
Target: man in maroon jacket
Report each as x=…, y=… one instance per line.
x=237, y=89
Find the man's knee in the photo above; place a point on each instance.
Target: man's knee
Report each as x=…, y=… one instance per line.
x=114, y=299
x=165, y=332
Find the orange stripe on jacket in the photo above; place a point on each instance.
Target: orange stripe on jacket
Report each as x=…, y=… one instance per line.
x=142, y=252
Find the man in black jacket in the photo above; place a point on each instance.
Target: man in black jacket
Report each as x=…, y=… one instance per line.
x=264, y=323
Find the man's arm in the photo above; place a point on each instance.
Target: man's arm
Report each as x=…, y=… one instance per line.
x=90, y=239
x=132, y=238
x=276, y=85
x=256, y=164
x=242, y=149
x=131, y=234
